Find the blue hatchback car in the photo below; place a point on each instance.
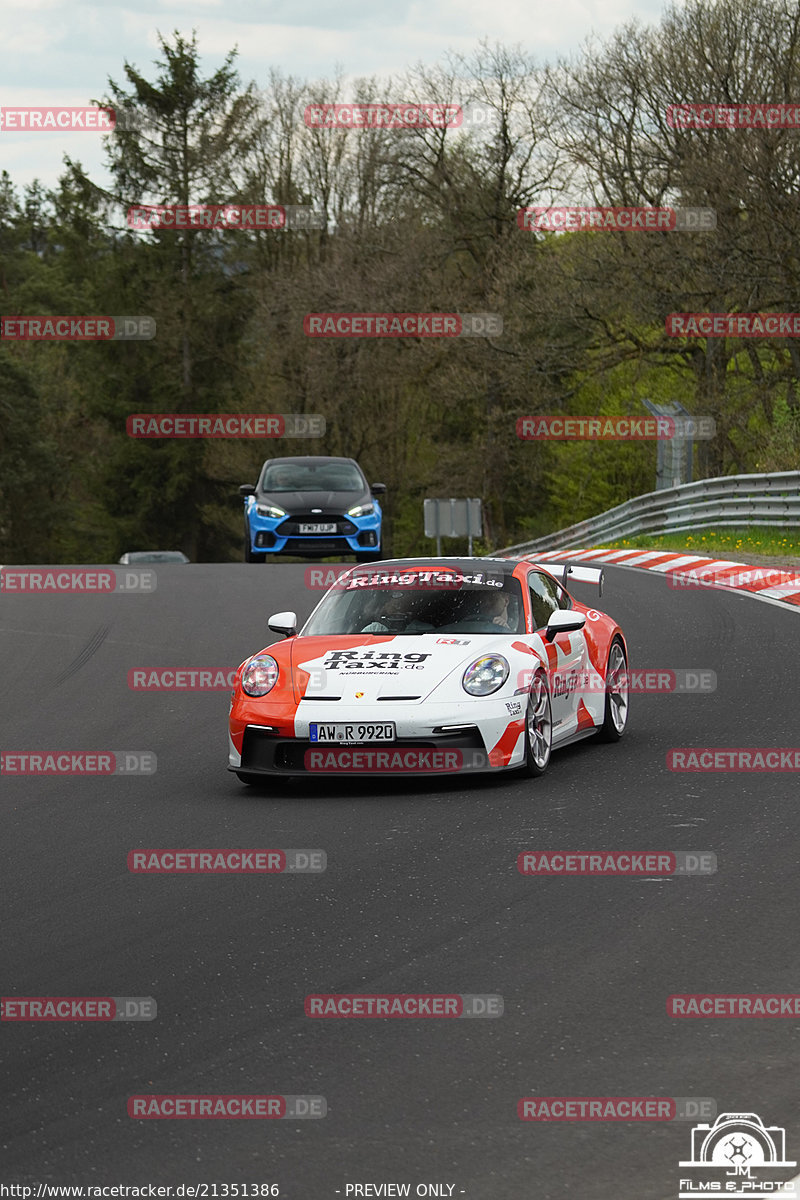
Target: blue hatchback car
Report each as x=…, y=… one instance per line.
x=312, y=507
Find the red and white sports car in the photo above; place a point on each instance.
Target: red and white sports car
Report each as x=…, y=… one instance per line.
x=432, y=665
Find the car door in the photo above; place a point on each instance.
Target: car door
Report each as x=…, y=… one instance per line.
x=566, y=654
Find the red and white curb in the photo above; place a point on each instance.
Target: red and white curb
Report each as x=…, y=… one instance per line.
x=772, y=584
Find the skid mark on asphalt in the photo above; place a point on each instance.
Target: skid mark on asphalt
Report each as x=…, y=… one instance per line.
x=82, y=658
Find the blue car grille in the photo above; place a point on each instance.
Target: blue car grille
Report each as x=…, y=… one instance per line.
x=291, y=526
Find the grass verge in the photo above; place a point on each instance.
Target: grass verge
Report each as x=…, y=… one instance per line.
x=762, y=540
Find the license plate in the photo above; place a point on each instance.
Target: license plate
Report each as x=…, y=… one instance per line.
x=339, y=731
x=330, y=527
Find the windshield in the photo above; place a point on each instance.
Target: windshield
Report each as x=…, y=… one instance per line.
x=313, y=477
x=420, y=606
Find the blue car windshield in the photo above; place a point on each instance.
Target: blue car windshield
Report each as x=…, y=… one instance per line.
x=313, y=477
x=419, y=608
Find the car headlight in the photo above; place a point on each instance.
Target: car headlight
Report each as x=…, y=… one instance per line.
x=486, y=675
x=260, y=675
x=269, y=510
x=361, y=510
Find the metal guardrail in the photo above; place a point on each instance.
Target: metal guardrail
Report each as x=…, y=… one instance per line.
x=729, y=500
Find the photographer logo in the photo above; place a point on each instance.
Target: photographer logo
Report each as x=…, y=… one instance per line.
x=730, y=1155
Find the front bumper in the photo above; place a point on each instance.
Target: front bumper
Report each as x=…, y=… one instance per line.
x=280, y=535
x=267, y=754
x=485, y=742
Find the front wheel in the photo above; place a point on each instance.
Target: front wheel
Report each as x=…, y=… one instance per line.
x=538, y=726
x=617, y=692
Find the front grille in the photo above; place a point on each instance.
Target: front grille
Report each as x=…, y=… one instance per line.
x=291, y=526
x=321, y=544
x=265, y=752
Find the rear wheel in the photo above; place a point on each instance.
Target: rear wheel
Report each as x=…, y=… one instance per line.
x=538, y=726
x=617, y=691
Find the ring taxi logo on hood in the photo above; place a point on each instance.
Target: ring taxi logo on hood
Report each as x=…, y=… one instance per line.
x=376, y=660
x=730, y=1150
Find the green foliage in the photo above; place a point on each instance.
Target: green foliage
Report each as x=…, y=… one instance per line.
x=415, y=221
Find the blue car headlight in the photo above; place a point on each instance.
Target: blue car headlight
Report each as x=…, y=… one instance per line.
x=485, y=675
x=361, y=510
x=269, y=510
x=260, y=675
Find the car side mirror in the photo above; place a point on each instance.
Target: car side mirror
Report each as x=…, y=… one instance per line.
x=564, y=620
x=247, y=489
x=283, y=622
x=377, y=489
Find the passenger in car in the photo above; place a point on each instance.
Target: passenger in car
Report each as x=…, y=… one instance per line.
x=496, y=609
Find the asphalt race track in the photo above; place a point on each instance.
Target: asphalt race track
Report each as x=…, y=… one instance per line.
x=421, y=894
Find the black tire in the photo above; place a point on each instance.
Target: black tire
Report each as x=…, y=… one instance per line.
x=538, y=726
x=615, y=719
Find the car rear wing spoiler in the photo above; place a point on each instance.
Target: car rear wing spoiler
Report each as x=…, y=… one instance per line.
x=578, y=574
